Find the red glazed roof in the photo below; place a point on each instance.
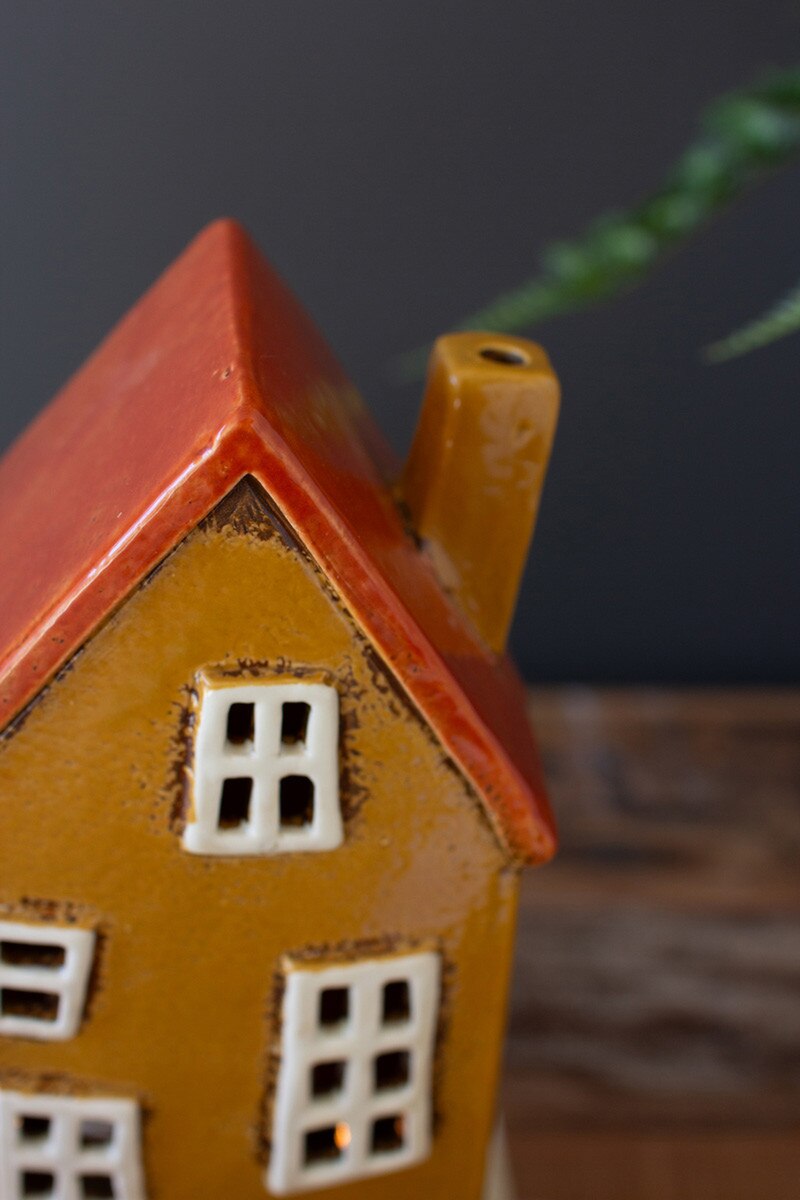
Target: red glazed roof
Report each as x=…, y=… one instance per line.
x=217, y=373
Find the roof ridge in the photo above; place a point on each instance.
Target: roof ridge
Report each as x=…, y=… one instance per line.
x=217, y=373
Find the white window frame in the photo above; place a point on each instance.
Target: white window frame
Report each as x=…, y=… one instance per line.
x=265, y=760
x=59, y=1151
x=68, y=982
x=356, y=1042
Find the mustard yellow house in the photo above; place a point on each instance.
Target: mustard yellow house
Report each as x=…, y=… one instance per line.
x=266, y=782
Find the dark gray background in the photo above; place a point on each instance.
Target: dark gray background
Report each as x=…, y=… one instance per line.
x=400, y=163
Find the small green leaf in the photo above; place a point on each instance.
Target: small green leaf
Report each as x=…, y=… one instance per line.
x=776, y=323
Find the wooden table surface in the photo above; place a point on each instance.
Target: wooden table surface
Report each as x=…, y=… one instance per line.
x=654, y=1041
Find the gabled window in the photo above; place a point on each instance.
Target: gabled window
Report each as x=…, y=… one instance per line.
x=44, y=971
x=266, y=770
x=70, y=1148
x=354, y=1086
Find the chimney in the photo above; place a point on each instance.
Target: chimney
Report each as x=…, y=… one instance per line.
x=475, y=473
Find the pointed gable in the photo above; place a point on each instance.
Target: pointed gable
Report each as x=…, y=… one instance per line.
x=217, y=373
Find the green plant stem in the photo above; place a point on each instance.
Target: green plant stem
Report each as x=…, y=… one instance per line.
x=777, y=322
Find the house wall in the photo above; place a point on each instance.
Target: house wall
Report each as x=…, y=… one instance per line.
x=183, y=1005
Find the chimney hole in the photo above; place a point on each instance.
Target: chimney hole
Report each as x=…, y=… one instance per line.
x=505, y=355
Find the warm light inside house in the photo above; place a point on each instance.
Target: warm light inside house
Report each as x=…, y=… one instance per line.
x=342, y=1136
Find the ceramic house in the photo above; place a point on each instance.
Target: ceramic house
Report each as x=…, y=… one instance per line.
x=266, y=781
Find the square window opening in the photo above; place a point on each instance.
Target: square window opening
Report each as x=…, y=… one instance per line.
x=327, y=1079
x=388, y=1135
x=60, y=1145
x=294, y=722
x=37, y=1183
x=96, y=1186
x=33, y=1129
x=36, y=1006
x=392, y=1070
x=334, y=1008
x=296, y=802
x=326, y=1145
x=234, y=804
x=241, y=726
x=396, y=1002
x=264, y=729
x=96, y=1134
x=32, y=954
x=334, y=1015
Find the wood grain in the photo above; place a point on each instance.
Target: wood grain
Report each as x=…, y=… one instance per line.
x=614, y=1166
x=655, y=1012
